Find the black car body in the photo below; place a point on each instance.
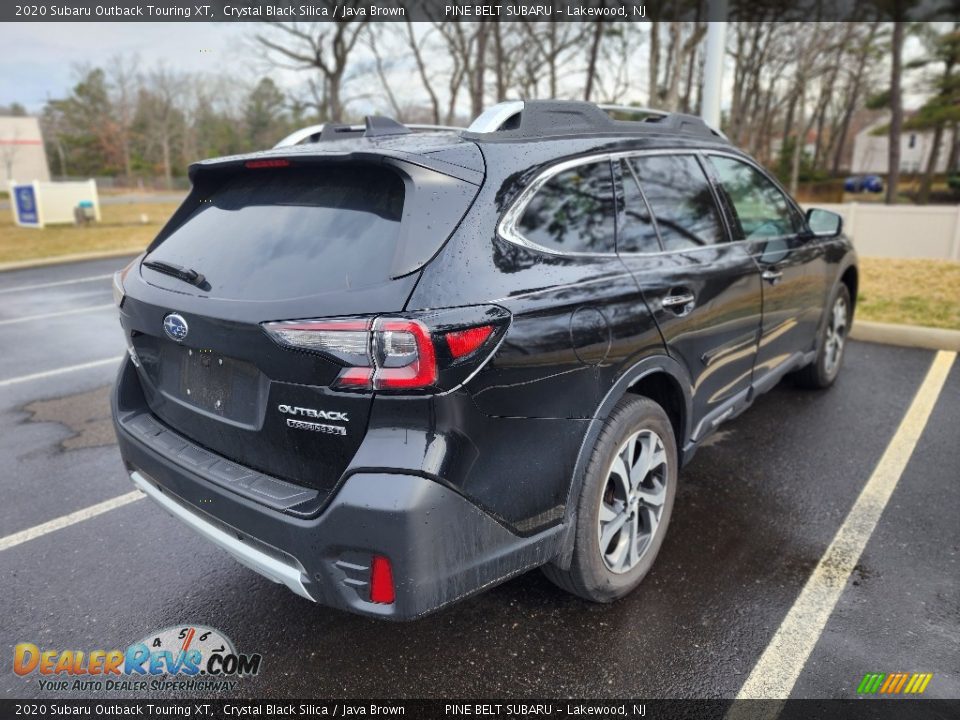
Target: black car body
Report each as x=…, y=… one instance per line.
x=269, y=399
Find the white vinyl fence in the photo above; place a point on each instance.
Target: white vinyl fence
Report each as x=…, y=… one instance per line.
x=901, y=231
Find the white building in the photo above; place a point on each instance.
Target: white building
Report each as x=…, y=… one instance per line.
x=870, y=151
x=22, y=154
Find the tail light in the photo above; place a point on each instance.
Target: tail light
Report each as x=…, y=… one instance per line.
x=268, y=163
x=381, y=581
x=465, y=342
x=399, y=354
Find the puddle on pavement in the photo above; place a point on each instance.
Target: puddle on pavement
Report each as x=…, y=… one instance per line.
x=86, y=415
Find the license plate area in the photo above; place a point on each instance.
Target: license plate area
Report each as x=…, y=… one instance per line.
x=212, y=382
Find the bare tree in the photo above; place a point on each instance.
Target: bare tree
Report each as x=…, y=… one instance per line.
x=653, y=64
x=614, y=78
x=160, y=100
x=854, y=92
x=553, y=43
x=466, y=46
x=596, y=36
x=325, y=47
x=123, y=76
x=414, y=45
x=372, y=38
x=896, y=112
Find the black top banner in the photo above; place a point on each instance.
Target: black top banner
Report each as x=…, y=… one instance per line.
x=637, y=11
x=492, y=709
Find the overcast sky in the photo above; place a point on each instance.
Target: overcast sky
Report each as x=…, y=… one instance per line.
x=38, y=58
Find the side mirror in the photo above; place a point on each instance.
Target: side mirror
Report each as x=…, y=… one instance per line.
x=823, y=223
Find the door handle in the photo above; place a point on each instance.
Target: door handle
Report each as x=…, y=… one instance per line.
x=680, y=303
x=772, y=276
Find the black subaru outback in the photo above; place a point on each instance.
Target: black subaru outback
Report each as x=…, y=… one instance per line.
x=390, y=367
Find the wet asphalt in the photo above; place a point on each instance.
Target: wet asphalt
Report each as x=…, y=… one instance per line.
x=755, y=511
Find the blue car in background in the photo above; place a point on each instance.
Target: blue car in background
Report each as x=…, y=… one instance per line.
x=863, y=183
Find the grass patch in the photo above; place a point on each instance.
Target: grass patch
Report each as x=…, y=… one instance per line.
x=122, y=228
x=910, y=292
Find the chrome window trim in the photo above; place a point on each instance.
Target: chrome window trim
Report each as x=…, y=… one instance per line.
x=507, y=227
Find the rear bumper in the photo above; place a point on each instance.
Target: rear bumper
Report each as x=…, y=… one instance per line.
x=441, y=546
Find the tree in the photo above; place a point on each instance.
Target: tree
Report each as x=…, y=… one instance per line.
x=123, y=86
x=78, y=126
x=943, y=107
x=161, y=115
x=263, y=115
x=415, y=44
x=14, y=109
x=865, y=51
x=325, y=47
x=896, y=111
x=553, y=43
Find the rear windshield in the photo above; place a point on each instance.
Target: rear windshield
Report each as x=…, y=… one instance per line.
x=272, y=234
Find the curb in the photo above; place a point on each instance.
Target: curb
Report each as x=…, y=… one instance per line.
x=64, y=259
x=906, y=335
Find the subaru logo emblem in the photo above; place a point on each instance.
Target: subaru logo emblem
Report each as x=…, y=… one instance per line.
x=175, y=327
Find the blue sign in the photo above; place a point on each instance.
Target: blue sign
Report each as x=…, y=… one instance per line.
x=26, y=204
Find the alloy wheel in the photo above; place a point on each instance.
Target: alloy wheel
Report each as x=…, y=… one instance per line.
x=632, y=501
x=836, y=337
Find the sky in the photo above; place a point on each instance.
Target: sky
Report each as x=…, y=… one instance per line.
x=38, y=58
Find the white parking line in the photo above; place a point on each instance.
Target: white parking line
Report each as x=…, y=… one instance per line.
x=45, y=316
x=58, y=283
x=67, y=520
x=58, y=371
x=777, y=671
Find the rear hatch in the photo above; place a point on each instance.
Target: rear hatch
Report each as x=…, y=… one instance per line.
x=266, y=241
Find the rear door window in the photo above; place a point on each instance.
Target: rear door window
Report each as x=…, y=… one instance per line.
x=290, y=232
x=636, y=232
x=681, y=200
x=573, y=211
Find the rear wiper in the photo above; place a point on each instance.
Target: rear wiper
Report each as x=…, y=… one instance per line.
x=178, y=271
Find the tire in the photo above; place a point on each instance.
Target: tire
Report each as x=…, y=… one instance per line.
x=594, y=572
x=823, y=371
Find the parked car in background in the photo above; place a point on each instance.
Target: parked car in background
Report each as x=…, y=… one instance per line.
x=390, y=369
x=863, y=184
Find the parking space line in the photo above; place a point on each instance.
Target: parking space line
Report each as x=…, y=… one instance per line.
x=45, y=316
x=777, y=670
x=58, y=371
x=67, y=520
x=58, y=283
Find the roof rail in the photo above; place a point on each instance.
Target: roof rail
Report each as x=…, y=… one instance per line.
x=632, y=110
x=328, y=131
x=517, y=120
x=494, y=118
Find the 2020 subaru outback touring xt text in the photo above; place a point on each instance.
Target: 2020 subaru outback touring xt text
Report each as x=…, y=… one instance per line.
x=392, y=368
